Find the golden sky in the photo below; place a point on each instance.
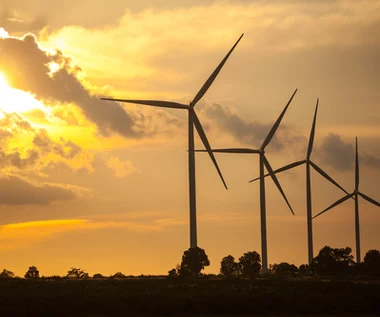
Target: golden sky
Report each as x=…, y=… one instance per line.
x=103, y=186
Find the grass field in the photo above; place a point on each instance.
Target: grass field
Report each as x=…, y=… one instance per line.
x=188, y=297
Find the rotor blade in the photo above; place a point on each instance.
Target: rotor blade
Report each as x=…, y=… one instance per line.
x=275, y=180
x=356, y=166
x=334, y=204
x=154, y=103
x=311, y=139
x=325, y=175
x=233, y=150
x=277, y=123
x=203, y=137
x=212, y=77
x=282, y=169
x=369, y=199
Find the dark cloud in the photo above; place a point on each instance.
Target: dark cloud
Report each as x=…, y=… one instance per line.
x=250, y=132
x=17, y=191
x=341, y=155
x=17, y=160
x=27, y=67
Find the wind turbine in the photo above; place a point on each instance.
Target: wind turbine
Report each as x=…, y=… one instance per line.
x=192, y=121
x=355, y=194
x=309, y=163
x=263, y=162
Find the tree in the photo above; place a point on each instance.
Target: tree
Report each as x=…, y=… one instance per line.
x=194, y=261
x=98, y=275
x=283, y=268
x=118, y=275
x=32, y=272
x=372, y=262
x=304, y=269
x=250, y=264
x=333, y=261
x=76, y=273
x=228, y=266
x=7, y=274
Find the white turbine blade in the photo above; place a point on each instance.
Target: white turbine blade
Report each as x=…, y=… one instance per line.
x=277, y=123
x=335, y=204
x=369, y=199
x=325, y=175
x=203, y=137
x=212, y=77
x=312, y=133
x=275, y=180
x=154, y=103
x=233, y=150
x=282, y=169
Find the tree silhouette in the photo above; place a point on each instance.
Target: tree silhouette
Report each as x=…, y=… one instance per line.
x=76, y=273
x=228, y=266
x=32, y=272
x=250, y=264
x=304, y=269
x=333, y=261
x=194, y=261
x=97, y=275
x=283, y=268
x=7, y=274
x=372, y=262
x=118, y=275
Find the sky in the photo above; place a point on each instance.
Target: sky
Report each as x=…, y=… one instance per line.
x=104, y=186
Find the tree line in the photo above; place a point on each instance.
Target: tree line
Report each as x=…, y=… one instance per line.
x=329, y=261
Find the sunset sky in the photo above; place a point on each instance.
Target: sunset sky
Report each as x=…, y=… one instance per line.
x=104, y=186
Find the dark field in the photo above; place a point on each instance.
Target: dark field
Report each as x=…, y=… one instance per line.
x=192, y=297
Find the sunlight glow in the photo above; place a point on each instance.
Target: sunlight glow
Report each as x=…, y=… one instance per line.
x=14, y=100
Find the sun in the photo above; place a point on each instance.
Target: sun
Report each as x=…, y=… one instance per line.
x=14, y=100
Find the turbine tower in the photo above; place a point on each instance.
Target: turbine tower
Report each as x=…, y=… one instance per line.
x=192, y=121
x=309, y=163
x=263, y=162
x=355, y=194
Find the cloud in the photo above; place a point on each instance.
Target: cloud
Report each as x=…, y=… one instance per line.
x=121, y=169
x=17, y=191
x=26, y=64
x=341, y=155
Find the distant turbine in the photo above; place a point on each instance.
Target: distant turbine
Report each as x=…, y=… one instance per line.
x=263, y=162
x=192, y=121
x=354, y=194
x=308, y=163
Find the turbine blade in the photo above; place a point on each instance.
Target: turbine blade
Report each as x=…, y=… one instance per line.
x=275, y=180
x=233, y=150
x=369, y=199
x=339, y=201
x=356, y=166
x=154, y=103
x=203, y=137
x=282, y=169
x=312, y=133
x=277, y=123
x=212, y=77
x=325, y=175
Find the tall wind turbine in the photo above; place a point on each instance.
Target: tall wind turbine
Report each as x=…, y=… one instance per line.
x=309, y=163
x=192, y=121
x=263, y=162
x=355, y=194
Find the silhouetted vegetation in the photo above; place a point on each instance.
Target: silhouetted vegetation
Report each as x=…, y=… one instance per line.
x=283, y=269
x=250, y=264
x=331, y=261
x=228, y=266
x=32, y=272
x=372, y=262
x=7, y=274
x=76, y=273
x=193, y=262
